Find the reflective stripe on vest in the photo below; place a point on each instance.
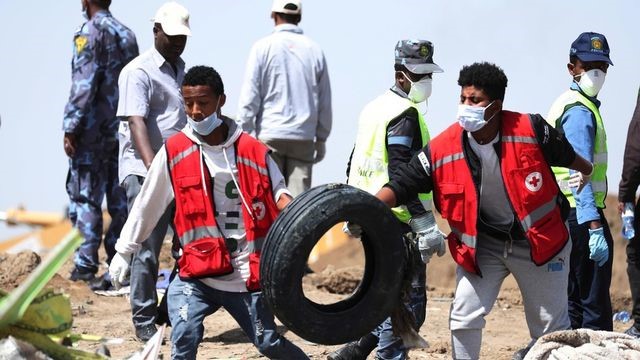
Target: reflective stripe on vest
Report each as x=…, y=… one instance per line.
x=252, y=164
x=447, y=159
x=520, y=139
x=182, y=155
x=599, y=178
x=538, y=213
x=467, y=239
x=370, y=163
x=199, y=233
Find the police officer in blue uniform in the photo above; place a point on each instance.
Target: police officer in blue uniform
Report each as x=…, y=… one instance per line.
x=102, y=46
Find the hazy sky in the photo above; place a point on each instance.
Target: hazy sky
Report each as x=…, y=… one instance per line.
x=530, y=40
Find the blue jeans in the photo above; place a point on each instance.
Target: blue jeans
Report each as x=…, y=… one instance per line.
x=390, y=347
x=190, y=301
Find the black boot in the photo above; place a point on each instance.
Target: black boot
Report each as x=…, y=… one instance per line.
x=355, y=350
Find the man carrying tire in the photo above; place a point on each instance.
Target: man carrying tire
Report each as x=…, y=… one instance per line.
x=228, y=191
x=391, y=130
x=491, y=181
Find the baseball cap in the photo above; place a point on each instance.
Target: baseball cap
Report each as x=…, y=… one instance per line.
x=590, y=46
x=293, y=7
x=174, y=19
x=416, y=56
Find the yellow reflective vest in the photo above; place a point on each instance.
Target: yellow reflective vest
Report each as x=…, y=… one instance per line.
x=370, y=161
x=567, y=100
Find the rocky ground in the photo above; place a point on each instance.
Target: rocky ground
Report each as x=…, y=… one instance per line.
x=336, y=272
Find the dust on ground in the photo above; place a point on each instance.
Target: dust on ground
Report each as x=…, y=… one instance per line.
x=15, y=268
x=335, y=275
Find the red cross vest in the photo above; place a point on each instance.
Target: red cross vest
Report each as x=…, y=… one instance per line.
x=203, y=245
x=530, y=186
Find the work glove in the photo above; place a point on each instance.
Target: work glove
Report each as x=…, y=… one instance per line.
x=598, y=248
x=321, y=150
x=352, y=229
x=579, y=180
x=430, y=238
x=119, y=269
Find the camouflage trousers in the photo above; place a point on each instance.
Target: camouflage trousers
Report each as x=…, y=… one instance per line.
x=87, y=185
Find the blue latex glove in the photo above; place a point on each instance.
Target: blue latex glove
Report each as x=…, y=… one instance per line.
x=598, y=248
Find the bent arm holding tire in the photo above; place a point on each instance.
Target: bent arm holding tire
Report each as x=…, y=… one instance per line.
x=408, y=180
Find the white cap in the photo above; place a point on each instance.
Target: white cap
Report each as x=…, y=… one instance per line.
x=293, y=7
x=174, y=19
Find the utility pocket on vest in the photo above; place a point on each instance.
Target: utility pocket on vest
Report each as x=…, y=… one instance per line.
x=205, y=258
x=191, y=194
x=462, y=254
x=451, y=198
x=536, y=184
x=547, y=237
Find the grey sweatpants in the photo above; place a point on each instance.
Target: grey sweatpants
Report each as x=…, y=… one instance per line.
x=543, y=289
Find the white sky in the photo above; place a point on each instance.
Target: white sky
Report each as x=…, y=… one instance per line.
x=530, y=40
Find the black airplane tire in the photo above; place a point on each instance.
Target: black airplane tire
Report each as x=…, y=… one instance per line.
x=289, y=243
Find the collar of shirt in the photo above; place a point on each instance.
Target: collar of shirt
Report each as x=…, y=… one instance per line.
x=575, y=87
x=160, y=60
x=101, y=13
x=288, y=27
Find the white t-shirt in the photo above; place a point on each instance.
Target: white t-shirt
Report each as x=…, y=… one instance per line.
x=493, y=202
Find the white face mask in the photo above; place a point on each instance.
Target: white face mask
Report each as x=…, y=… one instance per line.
x=471, y=118
x=591, y=81
x=206, y=126
x=420, y=90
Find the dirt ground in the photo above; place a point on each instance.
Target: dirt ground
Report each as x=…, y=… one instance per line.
x=505, y=332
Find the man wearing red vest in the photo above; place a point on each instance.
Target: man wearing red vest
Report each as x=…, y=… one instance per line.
x=228, y=191
x=491, y=181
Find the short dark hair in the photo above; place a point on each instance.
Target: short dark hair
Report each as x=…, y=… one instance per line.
x=290, y=18
x=400, y=67
x=486, y=76
x=204, y=75
x=104, y=4
x=573, y=59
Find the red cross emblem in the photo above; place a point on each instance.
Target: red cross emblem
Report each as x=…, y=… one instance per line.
x=533, y=182
x=259, y=210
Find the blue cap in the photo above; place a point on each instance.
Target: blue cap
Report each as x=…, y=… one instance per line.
x=590, y=46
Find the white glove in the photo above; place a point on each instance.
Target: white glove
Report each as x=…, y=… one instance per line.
x=352, y=229
x=430, y=238
x=119, y=269
x=321, y=150
x=579, y=180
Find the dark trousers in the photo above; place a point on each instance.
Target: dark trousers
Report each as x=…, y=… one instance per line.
x=87, y=185
x=144, y=267
x=633, y=269
x=589, y=299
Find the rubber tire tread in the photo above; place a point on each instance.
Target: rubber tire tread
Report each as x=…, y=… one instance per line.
x=289, y=243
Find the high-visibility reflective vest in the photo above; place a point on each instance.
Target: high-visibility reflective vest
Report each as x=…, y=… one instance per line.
x=530, y=186
x=194, y=218
x=566, y=101
x=370, y=161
